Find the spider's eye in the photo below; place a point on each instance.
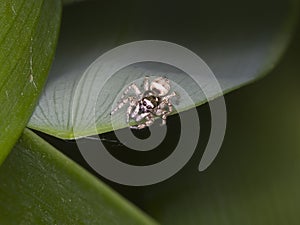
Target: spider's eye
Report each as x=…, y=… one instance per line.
x=144, y=103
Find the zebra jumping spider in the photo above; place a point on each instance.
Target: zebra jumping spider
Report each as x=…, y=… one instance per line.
x=153, y=101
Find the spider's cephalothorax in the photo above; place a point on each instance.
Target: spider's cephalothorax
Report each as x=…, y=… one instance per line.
x=154, y=101
x=149, y=103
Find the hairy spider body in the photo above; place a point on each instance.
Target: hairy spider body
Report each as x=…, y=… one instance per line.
x=153, y=102
x=149, y=103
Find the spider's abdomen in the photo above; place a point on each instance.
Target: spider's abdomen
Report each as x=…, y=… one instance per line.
x=160, y=86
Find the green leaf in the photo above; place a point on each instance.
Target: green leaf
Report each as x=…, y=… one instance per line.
x=29, y=29
x=39, y=185
x=240, y=42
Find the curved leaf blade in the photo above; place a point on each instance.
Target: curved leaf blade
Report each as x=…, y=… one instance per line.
x=28, y=34
x=238, y=41
x=39, y=185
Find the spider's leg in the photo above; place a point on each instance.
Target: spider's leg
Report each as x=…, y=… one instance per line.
x=121, y=104
x=141, y=116
x=170, y=108
x=166, y=112
x=160, y=108
x=138, y=119
x=163, y=121
x=129, y=109
x=149, y=122
x=135, y=111
x=131, y=86
x=173, y=94
x=146, y=85
x=138, y=127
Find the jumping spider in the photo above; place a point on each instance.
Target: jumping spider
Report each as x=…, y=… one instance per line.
x=154, y=101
